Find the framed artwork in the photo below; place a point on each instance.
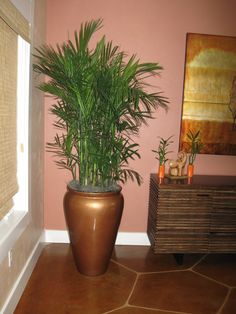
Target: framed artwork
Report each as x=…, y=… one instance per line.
x=209, y=98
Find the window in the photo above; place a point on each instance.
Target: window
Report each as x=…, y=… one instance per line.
x=14, y=102
x=21, y=198
x=8, y=104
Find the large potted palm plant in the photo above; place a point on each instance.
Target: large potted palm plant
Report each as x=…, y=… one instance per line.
x=100, y=103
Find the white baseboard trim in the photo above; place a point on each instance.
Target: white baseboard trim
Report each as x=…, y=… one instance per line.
x=123, y=238
x=132, y=238
x=20, y=284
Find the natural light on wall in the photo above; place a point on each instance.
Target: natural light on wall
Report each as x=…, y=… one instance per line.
x=21, y=198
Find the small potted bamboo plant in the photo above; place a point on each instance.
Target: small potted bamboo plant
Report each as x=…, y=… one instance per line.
x=195, y=146
x=161, y=154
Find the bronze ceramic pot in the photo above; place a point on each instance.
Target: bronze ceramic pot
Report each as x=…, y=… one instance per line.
x=93, y=220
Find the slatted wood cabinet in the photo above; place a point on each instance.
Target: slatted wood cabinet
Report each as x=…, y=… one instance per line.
x=192, y=216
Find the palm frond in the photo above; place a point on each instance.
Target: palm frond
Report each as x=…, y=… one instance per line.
x=101, y=101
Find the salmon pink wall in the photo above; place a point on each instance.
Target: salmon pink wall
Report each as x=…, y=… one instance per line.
x=156, y=31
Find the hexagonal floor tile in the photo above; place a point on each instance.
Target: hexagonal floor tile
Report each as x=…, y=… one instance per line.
x=64, y=290
x=230, y=306
x=174, y=291
x=221, y=267
x=142, y=259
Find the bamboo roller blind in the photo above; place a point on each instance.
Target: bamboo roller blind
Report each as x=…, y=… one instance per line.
x=11, y=24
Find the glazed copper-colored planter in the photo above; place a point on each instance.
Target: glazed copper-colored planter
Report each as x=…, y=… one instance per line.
x=93, y=220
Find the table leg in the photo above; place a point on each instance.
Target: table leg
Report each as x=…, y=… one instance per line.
x=179, y=257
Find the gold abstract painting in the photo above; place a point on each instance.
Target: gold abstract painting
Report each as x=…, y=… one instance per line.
x=209, y=100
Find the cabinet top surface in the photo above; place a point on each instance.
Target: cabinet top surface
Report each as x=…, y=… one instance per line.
x=196, y=181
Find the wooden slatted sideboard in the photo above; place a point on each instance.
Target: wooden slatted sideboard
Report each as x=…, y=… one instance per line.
x=192, y=216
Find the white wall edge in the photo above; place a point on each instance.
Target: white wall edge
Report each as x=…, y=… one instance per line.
x=11, y=227
x=123, y=238
x=20, y=284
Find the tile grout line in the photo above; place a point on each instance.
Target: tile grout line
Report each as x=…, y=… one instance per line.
x=211, y=279
x=225, y=301
x=126, y=303
x=114, y=310
x=191, y=269
x=145, y=308
x=124, y=266
x=138, y=274
x=163, y=271
x=198, y=262
x=155, y=309
x=132, y=290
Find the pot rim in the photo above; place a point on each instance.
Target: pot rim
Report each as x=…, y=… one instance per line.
x=95, y=194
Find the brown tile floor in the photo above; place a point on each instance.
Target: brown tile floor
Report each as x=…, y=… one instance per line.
x=136, y=282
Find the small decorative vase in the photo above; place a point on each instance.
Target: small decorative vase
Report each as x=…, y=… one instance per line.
x=161, y=172
x=190, y=170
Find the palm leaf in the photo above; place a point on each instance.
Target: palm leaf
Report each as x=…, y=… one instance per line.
x=101, y=101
